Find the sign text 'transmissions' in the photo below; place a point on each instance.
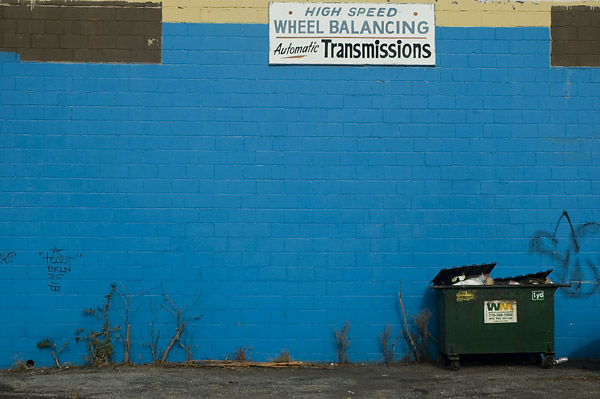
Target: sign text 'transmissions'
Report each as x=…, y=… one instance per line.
x=351, y=34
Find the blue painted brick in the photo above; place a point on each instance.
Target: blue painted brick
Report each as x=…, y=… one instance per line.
x=482, y=33
x=510, y=33
x=357, y=101
x=452, y=33
x=521, y=75
x=541, y=34
x=524, y=47
x=482, y=61
x=453, y=60
x=427, y=88
x=495, y=47
x=476, y=116
x=441, y=102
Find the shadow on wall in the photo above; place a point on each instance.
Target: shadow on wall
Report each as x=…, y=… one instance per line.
x=575, y=255
x=429, y=301
x=589, y=351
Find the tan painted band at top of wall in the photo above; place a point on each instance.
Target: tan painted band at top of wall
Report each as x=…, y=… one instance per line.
x=447, y=12
x=492, y=13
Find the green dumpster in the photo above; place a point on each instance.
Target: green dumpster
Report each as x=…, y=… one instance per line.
x=499, y=318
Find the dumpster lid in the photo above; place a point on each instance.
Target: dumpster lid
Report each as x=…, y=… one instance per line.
x=531, y=278
x=444, y=277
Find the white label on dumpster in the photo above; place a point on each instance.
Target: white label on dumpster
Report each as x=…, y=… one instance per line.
x=537, y=295
x=500, y=311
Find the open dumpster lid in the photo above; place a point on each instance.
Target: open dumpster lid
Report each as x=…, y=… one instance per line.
x=444, y=277
x=532, y=278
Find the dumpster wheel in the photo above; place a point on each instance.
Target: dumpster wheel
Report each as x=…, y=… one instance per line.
x=454, y=365
x=547, y=362
x=452, y=360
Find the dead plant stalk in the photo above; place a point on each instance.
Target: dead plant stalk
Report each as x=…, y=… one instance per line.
x=180, y=327
x=342, y=343
x=410, y=337
x=126, y=298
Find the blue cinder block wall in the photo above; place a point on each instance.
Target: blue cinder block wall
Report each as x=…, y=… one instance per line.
x=279, y=202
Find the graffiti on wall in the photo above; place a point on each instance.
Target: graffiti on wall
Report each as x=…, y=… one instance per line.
x=574, y=262
x=7, y=257
x=58, y=265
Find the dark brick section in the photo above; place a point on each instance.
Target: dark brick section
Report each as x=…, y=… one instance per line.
x=575, y=36
x=76, y=31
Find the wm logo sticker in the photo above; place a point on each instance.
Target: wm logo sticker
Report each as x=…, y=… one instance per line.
x=495, y=306
x=499, y=311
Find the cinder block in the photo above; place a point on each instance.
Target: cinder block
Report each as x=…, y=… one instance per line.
x=495, y=47
x=16, y=40
x=452, y=60
x=73, y=41
x=482, y=61
x=516, y=34
x=480, y=116
x=482, y=33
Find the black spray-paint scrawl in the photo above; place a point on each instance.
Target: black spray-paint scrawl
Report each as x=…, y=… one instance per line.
x=58, y=265
x=574, y=264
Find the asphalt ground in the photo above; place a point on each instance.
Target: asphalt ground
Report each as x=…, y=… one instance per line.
x=477, y=378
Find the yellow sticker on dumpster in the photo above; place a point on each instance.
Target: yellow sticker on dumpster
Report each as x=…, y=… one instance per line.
x=500, y=311
x=462, y=296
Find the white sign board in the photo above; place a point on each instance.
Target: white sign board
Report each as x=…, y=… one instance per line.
x=500, y=311
x=351, y=34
